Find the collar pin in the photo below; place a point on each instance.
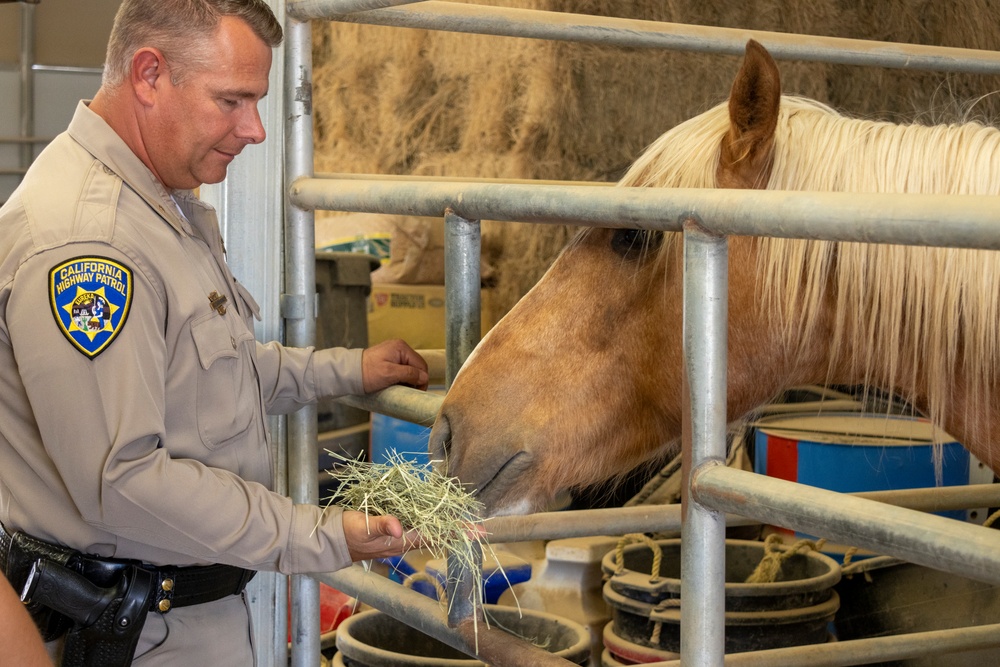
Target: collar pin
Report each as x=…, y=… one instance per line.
x=218, y=302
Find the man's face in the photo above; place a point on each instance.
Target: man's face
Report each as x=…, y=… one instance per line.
x=197, y=127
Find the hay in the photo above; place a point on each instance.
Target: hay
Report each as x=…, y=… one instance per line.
x=406, y=101
x=447, y=518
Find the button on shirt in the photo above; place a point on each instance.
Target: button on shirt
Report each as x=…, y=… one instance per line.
x=132, y=410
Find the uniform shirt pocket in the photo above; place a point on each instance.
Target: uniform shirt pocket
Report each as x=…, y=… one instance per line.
x=227, y=393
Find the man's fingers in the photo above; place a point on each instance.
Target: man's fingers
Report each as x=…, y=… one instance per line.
x=390, y=527
x=414, y=377
x=411, y=358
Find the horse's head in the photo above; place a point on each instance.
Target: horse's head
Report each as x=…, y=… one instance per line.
x=581, y=381
x=551, y=397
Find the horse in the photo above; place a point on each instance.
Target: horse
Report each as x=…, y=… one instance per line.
x=582, y=379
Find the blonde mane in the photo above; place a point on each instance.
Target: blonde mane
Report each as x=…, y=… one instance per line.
x=906, y=316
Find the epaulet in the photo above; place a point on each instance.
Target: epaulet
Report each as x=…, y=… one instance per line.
x=83, y=209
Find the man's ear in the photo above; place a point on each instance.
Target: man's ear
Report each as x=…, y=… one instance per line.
x=149, y=71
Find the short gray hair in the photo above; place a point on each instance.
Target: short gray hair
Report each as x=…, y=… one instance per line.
x=180, y=30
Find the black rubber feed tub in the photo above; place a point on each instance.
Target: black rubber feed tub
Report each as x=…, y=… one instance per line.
x=375, y=639
x=793, y=610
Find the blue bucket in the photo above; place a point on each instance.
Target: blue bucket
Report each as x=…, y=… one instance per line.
x=391, y=435
x=851, y=452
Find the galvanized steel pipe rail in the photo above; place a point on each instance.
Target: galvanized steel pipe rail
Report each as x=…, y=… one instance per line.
x=326, y=8
x=412, y=405
x=967, y=221
x=916, y=645
x=634, y=33
x=963, y=548
x=667, y=518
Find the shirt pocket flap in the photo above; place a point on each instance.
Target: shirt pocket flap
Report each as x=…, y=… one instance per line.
x=213, y=339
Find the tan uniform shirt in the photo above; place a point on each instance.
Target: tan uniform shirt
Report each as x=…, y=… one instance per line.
x=132, y=397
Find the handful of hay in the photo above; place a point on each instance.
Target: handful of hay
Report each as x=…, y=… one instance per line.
x=445, y=515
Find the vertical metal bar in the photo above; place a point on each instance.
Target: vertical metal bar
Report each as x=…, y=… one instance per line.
x=299, y=305
x=703, y=531
x=463, y=241
x=462, y=597
x=27, y=81
x=463, y=329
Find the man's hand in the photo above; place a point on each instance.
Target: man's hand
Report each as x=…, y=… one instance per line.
x=392, y=362
x=376, y=536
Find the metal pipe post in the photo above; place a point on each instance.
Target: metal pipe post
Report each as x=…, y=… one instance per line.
x=462, y=244
x=703, y=533
x=462, y=248
x=298, y=305
x=462, y=595
x=27, y=81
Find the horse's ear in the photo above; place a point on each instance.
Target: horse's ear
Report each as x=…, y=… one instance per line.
x=753, y=115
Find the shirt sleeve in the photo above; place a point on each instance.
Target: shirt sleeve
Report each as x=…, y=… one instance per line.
x=294, y=377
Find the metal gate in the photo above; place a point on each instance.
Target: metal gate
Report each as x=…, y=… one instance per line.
x=705, y=218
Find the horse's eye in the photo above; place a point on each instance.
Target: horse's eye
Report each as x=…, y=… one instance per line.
x=632, y=243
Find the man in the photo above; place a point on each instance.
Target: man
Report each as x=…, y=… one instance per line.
x=132, y=392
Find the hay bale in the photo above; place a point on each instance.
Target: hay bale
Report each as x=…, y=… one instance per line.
x=927, y=97
x=406, y=101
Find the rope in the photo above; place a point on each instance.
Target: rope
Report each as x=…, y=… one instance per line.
x=991, y=519
x=848, y=555
x=675, y=603
x=430, y=579
x=648, y=541
x=775, y=555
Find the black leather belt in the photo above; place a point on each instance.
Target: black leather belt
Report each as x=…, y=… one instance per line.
x=180, y=586
x=176, y=586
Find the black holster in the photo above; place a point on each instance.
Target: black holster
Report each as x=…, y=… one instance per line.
x=21, y=552
x=111, y=639
x=101, y=612
x=100, y=604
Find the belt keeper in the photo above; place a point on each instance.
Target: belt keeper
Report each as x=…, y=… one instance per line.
x=244, y=580
x=165, y=594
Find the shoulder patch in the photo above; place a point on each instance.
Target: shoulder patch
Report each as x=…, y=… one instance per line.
x=90, y=298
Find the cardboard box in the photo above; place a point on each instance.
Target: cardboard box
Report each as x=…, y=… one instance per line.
x=414, y=313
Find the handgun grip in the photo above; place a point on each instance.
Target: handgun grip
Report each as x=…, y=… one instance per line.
x=67, y=592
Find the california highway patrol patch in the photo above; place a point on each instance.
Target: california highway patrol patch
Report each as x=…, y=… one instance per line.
x=90, y=299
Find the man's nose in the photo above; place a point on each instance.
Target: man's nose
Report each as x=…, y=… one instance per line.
x=251, y=128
